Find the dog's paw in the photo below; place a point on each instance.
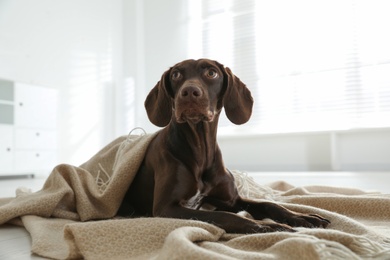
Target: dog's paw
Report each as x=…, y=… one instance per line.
x=307, y=220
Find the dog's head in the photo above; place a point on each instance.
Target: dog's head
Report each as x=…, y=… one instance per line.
x=196, y=90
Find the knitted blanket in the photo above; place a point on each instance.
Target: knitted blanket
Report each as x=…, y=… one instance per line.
x=73, y=217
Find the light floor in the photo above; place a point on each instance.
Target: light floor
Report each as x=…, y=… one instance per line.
x=15, y=242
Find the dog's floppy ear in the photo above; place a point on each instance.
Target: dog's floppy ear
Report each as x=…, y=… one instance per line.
x=158, y=103
x=237, y=99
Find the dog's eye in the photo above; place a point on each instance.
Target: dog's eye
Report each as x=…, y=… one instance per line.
x=211, y=74
x=176, y=75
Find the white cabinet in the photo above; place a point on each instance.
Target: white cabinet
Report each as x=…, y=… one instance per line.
x=34, y=161
x=35, y=138
x=6, y=148
x=35, y=107
x=28, y=134
x=36, y=147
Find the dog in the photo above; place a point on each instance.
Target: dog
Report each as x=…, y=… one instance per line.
x=183, y=173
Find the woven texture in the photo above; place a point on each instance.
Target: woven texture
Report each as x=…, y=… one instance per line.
x=73, y=217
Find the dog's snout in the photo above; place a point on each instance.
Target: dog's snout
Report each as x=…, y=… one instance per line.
x=191, y=91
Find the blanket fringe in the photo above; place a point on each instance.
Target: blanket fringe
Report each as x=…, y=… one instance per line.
x=102, y=185
x=103, y=181
x=244, y=183
x=249, y=188
x=128, y=140
x=358, y=249
x=368, y=248
x=332, y=250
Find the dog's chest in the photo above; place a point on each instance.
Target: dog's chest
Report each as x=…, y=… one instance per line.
x=195, y=201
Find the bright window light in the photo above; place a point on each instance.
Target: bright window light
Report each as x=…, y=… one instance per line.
x=311, y=65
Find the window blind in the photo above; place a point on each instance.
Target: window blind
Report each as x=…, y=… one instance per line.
x=311, y=65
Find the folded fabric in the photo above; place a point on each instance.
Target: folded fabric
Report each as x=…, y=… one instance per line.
x=74, y=216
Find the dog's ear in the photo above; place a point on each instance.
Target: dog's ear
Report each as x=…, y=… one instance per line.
x=237, y=98
x=158, y=103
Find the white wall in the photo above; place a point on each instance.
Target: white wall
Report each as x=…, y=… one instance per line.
x=356, y=150
x=157, y=42
x=76, y=47
x=154, y=41
x=99, y=54
x=105, y=55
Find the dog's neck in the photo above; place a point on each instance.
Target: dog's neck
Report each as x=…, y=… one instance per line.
x=200, y=139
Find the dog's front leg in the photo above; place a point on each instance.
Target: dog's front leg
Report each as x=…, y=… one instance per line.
x=230, y=222
x=262, y=210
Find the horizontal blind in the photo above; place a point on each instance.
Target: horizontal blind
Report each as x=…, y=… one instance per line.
x=311, y=65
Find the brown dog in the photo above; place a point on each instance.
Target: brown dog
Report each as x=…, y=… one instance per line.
x=183, y=168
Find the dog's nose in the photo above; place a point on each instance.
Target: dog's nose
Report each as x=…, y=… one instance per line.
x=191, y=91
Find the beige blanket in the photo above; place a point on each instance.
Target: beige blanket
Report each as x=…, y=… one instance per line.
x=73, y=217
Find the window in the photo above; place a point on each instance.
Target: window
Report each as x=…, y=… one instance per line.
x=311, y=65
